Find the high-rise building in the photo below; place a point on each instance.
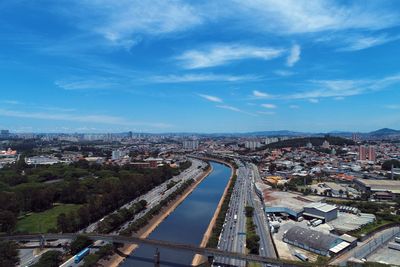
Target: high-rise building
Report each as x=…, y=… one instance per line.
x=191, y=144
x=252, y=145
x=362, y=153
x=355, y=137
x=371, y=153
x=367, y=153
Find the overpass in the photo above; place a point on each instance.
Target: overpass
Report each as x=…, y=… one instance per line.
x=210, y=252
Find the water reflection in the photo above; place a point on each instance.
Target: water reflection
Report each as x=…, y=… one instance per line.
x=186, y=224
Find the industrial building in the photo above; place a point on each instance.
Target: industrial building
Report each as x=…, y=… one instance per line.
x=375, y=186
x=287, y=203
x=321, y=211
x=315, y=241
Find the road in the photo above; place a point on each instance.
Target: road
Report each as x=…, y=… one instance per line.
x=233, y=235
x=153, y=197
x=151, y=242
x=266, y=244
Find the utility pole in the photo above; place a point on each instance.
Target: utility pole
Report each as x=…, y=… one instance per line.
x=157, y=258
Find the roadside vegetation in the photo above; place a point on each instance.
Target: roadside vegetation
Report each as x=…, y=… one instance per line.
x=114, y=220
x=252, y=239
x=8, y=254
x=216, y=231
x=144, y=220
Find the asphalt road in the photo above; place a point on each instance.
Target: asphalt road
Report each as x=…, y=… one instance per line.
x=233, y=235
x=153, y=197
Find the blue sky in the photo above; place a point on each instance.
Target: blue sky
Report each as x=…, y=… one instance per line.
x=199, y=66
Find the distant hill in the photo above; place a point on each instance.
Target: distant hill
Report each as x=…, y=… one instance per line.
x=384, y=131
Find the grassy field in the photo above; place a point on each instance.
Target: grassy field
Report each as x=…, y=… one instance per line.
x=42, y=222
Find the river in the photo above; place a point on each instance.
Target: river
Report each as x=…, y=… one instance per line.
x=187, y=224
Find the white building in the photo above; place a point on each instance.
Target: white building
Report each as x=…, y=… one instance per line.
x=191, y=144
x=118, y=154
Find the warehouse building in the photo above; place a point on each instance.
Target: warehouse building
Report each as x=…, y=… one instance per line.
x=287, y=203
x=314, y=241
x=321, y=211
x=388, y=189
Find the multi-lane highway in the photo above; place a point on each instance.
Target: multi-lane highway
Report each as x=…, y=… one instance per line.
x=233, y=235
x=263, y=228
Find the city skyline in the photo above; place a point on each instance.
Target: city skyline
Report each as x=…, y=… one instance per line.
x=176, y=66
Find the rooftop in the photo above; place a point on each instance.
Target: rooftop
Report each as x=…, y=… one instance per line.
x=292, y=201
x=311, y=238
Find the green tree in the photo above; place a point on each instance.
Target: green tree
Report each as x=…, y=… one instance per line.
x=79, y=243
x=8, y=220
x=8, y=254
x=387, y=165
x=52, y=258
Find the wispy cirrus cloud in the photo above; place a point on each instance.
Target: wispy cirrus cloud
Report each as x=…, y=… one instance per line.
x=235, y=109
x=357, y=42
x=284, y=73
x=303, y=16
x=85, y=83
x=207, y=77
x=294, y=55
x=100, y=119
x=337, y=89
x=121, y=22
x=269, y=106
x=211, y=98
x=259, y=94
x=392, y=106
x=222, y=54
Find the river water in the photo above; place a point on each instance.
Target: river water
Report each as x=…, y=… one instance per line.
x=187, y=224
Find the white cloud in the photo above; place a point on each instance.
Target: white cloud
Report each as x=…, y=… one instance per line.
x=294, y=55
x=85, y=84
x=101, y=119
x=120, y=22
x=229, y=108
x=202, y=78
x=294, y=106
x=266, y=112
x=235, y=109
x=221, y=54
x=313, y=100
x=392, y=106
x=260, y=94
x=344, y=88
x=269, y=106
x=357, y=42
x=211, y=98
x=11, y=102
x=284, y=73
x=304, y=16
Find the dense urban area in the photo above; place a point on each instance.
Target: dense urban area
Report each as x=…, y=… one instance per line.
x=291, y=199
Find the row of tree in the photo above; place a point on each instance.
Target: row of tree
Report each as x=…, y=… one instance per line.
x=143, y=221
x=219, y=222
x=101, y=189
